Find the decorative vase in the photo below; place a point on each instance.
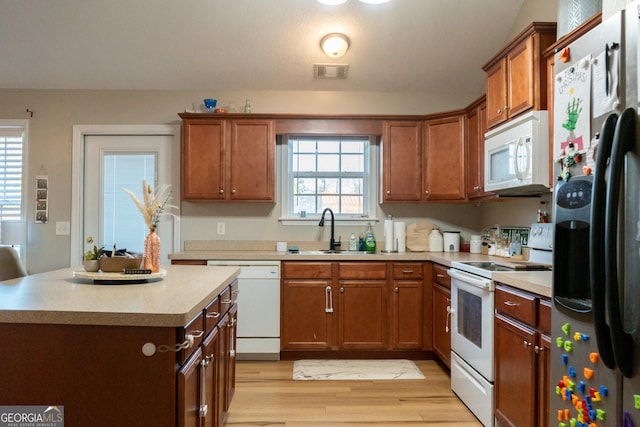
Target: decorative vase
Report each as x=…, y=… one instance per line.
x=151, y=259
x=91, y=265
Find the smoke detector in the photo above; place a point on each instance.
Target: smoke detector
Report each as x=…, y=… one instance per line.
x=330, y=71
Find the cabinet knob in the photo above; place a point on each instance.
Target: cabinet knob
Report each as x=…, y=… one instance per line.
x=342, y=290
x=426, y=192
x=388, y=191
x=396, y=290
x=221, y=191
x=499, y=111
x=526, y=344
x=233, y=191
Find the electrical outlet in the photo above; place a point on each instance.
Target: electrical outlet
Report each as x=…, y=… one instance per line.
x=221, y=228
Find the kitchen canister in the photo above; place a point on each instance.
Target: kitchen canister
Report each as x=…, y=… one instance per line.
x=475, y=245
x=435, y=241
x=451, y=240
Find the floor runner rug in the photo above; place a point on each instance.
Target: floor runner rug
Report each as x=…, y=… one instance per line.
x=386, y=369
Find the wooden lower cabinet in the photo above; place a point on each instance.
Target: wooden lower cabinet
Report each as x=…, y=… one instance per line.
x=442, y=314
x=89, y=368
x=521, y=360
x=352, y=306
x=408, y=306
x=306, y=306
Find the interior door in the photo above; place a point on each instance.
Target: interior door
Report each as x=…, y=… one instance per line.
x=114, y=162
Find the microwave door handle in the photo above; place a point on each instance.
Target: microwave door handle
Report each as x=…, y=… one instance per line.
x=520, y=175
x=596, y=243
x=623, y=141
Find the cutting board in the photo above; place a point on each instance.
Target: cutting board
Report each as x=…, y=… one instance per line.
x=418, y=236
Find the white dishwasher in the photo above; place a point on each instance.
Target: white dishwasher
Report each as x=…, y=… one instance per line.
x=258, y=308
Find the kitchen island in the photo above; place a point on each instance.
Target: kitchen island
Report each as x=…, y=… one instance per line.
x=121, y=354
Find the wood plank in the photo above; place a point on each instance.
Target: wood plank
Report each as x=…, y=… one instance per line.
x=266, y=395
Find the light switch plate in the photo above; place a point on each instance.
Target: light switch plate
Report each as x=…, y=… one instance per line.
x=62, y=228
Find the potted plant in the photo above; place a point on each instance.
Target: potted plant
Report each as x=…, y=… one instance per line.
x=92, y=259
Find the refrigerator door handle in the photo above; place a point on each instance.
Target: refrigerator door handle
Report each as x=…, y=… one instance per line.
x=596, y=243
x=623, y=141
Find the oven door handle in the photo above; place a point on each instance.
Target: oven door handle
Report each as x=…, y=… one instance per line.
x=472, y=279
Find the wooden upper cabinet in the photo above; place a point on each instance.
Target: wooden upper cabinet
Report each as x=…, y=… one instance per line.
x=516, y=76
x=203, y=152
x=252, y=160
x=228, y=160
x=444, y=158
x=476, y=128
x=401, y=162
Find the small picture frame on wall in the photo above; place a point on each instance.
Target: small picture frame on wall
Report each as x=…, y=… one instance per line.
x=42, y=199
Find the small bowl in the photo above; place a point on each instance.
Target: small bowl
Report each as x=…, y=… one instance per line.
x=210, y=103
x=220, y=110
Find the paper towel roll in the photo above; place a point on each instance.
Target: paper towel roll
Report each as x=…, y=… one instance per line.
x=388, y=235
x=400, y=236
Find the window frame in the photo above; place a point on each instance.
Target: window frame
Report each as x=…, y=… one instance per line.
x=370, y=182
x=24, y=126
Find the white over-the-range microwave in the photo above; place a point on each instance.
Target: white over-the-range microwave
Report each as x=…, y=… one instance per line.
x=516, y=156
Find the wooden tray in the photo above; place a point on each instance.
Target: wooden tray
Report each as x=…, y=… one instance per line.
x=118, y=278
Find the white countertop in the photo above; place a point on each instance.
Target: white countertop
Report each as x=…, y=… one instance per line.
x=57, y=297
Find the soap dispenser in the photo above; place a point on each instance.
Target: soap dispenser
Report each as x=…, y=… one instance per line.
x=370, y=240
x=353, y=243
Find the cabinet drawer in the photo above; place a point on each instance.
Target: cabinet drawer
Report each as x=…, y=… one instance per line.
x=440, y=275
x=306, y=270
x=544, y=315
x=196, y=329
x=225, y=300
x=362, y=270
x=212, y=315
x=517, y=304
x=234, y=290
x=407, y=270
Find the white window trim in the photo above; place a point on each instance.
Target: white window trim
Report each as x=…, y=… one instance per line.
x=77, y=175
x=312, y=220
x=24, y=124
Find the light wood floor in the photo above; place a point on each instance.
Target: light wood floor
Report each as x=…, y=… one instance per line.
x=266, y=395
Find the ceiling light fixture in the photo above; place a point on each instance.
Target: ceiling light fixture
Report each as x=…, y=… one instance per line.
x=334, y=45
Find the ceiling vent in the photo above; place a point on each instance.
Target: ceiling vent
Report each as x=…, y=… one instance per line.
x=330, y=71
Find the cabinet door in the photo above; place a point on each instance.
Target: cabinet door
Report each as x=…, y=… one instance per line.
x=203, y=151
x=210, y=357
x=252, y=160
x=230, y=377
x=223, y=370
x=515, y=375
x=544, y=376
x=189, y=391
x=362, y=314
x=520, y=72
x=401, y=161
x=443, y=161
x=306, y=314
x=476, y=128
x=407, y=303
x=441, y=323
x=496, y=88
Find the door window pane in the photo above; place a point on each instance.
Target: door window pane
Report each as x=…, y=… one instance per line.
x=122, y=223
